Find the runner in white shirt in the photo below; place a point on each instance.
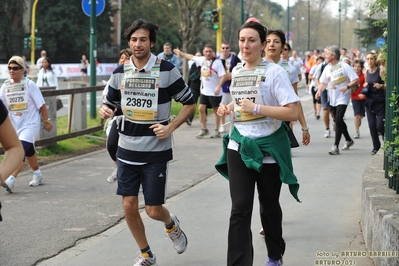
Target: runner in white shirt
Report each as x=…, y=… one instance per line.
x=338, y=78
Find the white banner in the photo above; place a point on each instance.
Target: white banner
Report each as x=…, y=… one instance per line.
x=68, y=70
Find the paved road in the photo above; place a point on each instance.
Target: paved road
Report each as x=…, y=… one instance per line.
x=75, y=218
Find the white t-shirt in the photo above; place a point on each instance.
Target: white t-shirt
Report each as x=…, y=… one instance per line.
x=46, y=78
x=217, y=71
x=312, y=72
x=335, y=95
x=291, y=70
x=27, y=124
x=276, y=90
x=292, y=60
x=39, y=63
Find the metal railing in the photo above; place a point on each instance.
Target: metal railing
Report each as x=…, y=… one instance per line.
x=391, y=155
x=52, y=93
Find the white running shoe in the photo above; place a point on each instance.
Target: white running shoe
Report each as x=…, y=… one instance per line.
x=327, y=133
x=334, y=150
x=37, y=179
x=348, y=144
x=9, y=184
x=145, y=260
x=177, y=236
x=357, y=135
x=112, y=178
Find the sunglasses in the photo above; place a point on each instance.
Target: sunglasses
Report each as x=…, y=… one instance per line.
x=14, y=68
x=286, y=49
x=225, y=48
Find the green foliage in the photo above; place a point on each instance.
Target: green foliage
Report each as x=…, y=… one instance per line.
x=11, y=34
x=374, y=30
x=67, y=37
x=378, y=6
x=152, y=11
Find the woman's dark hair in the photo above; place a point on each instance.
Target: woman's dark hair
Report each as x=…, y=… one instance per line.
x=49, y=63
x=358, y=61
x=280, y=34
x=256, y=26
x=142, y=24
x=288, y=46
x=126, y=51
x=262, y=30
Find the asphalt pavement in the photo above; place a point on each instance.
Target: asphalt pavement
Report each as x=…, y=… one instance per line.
x=75, y=218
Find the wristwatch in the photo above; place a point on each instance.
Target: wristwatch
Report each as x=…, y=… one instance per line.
x=47, y=121
x=305, y=128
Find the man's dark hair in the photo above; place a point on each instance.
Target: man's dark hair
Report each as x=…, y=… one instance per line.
x=207, y=45
x=288, y=46
x=142, y=24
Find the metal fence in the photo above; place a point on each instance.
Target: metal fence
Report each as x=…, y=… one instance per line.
x=391, y=158
x=50, y=94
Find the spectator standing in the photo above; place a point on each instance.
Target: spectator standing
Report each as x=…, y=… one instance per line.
x=25, y=105
x=84, y=64
x=43, y=54
x=358, y=99
x=169, y=56
x=257, y=152
x=27, y=66
x=338, y=77
x=374, y=90
x=145, y=141
x=46, y=76
x=213, y=76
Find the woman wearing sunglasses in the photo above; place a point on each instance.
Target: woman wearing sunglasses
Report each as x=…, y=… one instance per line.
x=25, y=104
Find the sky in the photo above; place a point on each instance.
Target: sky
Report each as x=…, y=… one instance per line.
x=283, y=3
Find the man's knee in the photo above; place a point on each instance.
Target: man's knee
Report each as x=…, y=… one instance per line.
x=154, y=212
x=130, y=204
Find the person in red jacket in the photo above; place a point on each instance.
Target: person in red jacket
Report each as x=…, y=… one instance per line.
x=358, y=99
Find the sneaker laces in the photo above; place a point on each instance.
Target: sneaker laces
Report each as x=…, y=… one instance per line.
x=143, y=261
x=174, y=235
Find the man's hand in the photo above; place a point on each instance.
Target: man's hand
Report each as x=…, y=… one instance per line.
x=177, y=52
x=161, y=131
x=105, y=112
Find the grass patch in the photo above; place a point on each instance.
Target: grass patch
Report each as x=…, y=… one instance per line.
x=78, y=144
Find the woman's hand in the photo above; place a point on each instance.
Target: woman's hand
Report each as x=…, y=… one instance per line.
x=223, y=110
x=247, y=106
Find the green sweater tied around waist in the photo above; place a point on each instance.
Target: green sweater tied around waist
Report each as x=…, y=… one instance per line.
x=252, y=153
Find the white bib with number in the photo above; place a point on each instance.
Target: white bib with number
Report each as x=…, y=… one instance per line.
x=139, y=94
x=16, y=96
x=245, y=84
x=337, y=74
